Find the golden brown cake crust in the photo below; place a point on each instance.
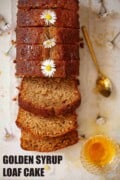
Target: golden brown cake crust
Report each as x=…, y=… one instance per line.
x=40, y=126
x=32, y=69
x=30, y=143
x=36, y=35
x=39, y=53
x=32, y=17
x=67, y=4
x=49, y=110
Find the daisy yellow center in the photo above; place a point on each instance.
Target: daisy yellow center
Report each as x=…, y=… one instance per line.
x=99, y=151
x=48, y=17
x=48, y=68
x=7, y=135
x=48, y=43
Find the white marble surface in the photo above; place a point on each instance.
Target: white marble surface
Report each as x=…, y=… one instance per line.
x=102, y=30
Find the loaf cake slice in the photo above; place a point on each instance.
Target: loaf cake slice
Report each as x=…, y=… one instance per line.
x=33, y=69
x=65, y=4
x=32, y=17
x=39, y=53
x=30, y=143
x=49, y=96
x=41, y=127
x=36, y=35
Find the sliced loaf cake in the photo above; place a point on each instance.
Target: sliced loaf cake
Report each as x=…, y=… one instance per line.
x=39, y=52
x=30, y=143
x=37, y=35
x=34, y=69
x=49, y=96
x=33, y=17
x=65, y=4
x=40, y=126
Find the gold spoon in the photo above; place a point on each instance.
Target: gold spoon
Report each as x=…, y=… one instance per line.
x=103, y=84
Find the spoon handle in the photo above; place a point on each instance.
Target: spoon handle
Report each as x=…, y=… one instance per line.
x=88, y=41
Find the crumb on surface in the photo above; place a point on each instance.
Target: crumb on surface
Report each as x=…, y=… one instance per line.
x=15, y=98
x=13, y=42
x=100, y=120
x=18, y=87
x=82, y=136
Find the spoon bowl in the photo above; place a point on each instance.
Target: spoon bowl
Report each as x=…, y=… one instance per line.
x=104, y=86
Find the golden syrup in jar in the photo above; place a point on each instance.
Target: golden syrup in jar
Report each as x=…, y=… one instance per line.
x=99, y=151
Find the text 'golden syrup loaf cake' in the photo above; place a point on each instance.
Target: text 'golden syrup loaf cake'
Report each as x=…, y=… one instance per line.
x=49, y=96
x=65, y=4
x=61, y=18
x=37, y=35
x=38, y=52
x=30, y=143
x=40, y=126
x=63, y=69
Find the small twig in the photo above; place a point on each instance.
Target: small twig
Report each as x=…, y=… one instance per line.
x=103, y=9
x=7, y=53
x=8, y=135
x=46, y=36
x=112, y=44
x=116, y=36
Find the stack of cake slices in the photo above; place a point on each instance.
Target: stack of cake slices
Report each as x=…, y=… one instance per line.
x=48, y=60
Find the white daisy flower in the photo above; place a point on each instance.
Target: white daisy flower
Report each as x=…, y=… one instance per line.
x=6, y=27
x=3, y=24
x=109, y=45
x=49, y=17
x=100, y=120
x=8, y=135
x=49, y=43
x=48, y=68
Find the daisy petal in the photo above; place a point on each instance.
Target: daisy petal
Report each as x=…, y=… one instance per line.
x=49, y=43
